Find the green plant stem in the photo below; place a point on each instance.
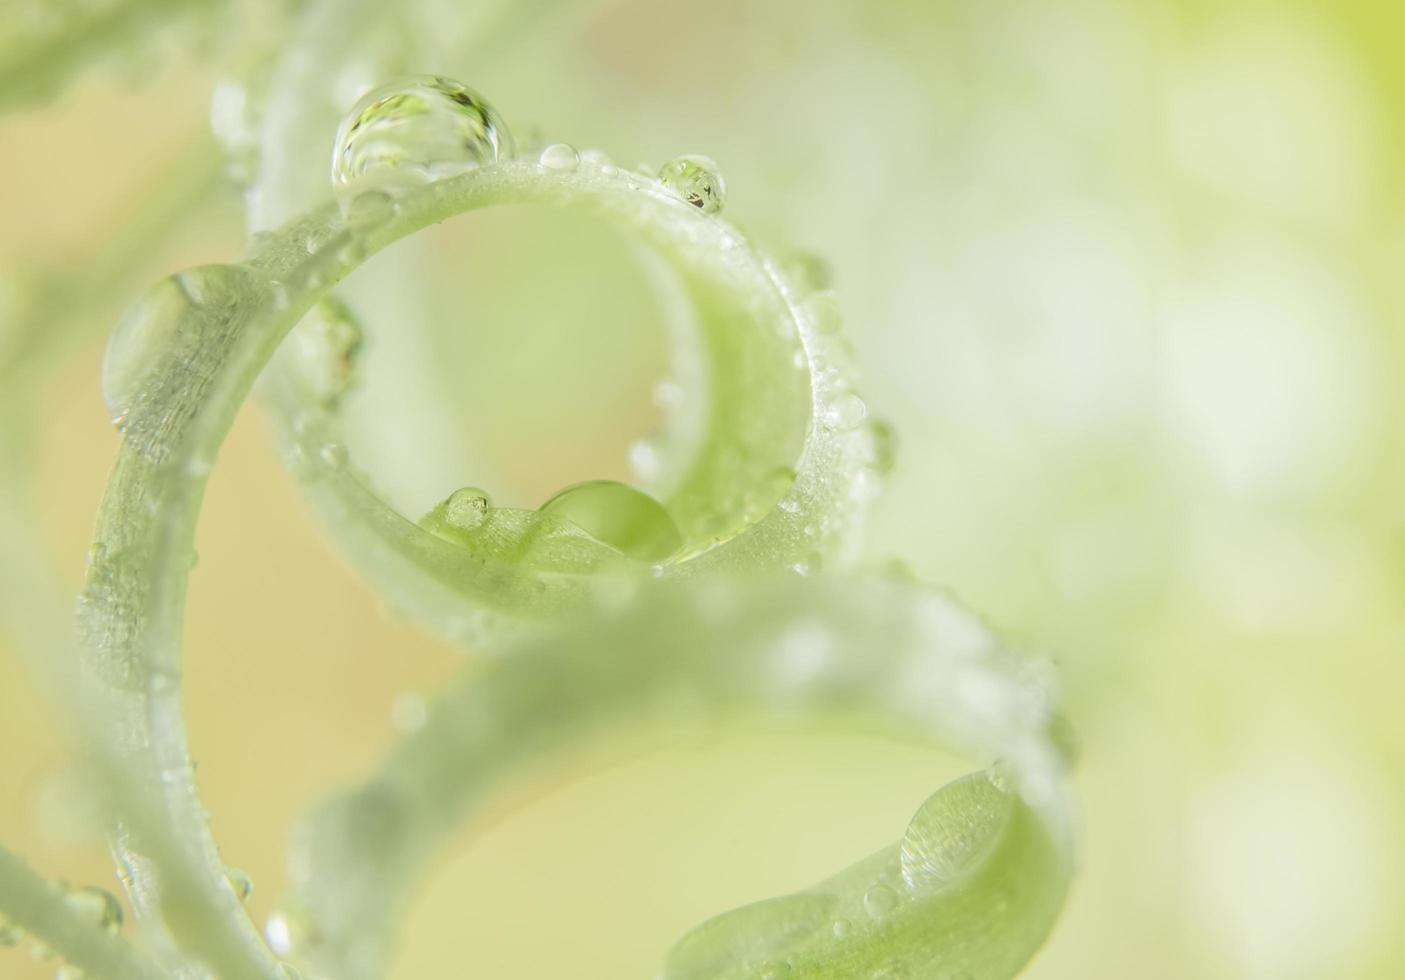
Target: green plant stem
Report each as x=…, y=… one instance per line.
x=37, y=905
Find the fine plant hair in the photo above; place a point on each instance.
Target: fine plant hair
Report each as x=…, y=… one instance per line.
x=737, y=590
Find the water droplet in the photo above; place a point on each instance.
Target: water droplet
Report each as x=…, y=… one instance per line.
x=626, y=519
x=97, y=906
x=560, y=157
x=412, y=131
x=846, y=411
x=882, y=446
x=880, y=900
x=166, y=331
x=327, y=343
x=11, y=935
x=333, y=454
x=696, y=180
x=954, y=829
x=763, y=932
x=239, y=882
x=808, y=273
x=768, y=491
x=595, y=157
x=288, y=931
x=842, y=928
x=461, y=514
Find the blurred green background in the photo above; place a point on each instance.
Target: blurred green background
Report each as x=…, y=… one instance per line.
x=1126, y=276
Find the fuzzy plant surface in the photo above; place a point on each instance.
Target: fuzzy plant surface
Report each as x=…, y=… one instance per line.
x=729, y=587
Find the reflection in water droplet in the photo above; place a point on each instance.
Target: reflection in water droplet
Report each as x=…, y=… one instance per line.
x=327, y=343
x=953, y=830
x=880, y=900
x=333, y=454
x=170, y=327
x=561, y=157
x=763, y=932
x=411, y=131
x=239, y=882
x=626, y=519
x=96, y=906
x=288, y=931
x=696, y=180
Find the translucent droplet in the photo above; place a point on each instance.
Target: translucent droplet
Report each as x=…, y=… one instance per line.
x=882, y=446
x=412, y=131
x=327, y=343
x=880, y=900
x=764, y=932
x=953, y=830
x=696, y=180
x=626, y=519
x=166, y=331
x=595, y=157
x=239, y=882
x=289, y=931
x=11, y=935
x=333, y=454
x=842, y=928
x=560, y=157
x=96, y=906
x=808, y=273
x=846, y=411
x=461, y=514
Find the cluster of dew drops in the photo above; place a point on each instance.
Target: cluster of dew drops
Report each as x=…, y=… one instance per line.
x=422, y=128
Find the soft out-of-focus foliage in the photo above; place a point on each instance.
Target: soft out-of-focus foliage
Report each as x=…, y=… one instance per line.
x=1122, y=275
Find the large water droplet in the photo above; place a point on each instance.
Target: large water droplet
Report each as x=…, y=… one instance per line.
x=411, y=131
x=96, y=906
x=560, y=157
x=953, y=830
x=327, y=342
x=846, y=411
x=762, y=932
x=461, y=514
x=626, y=519
x=169, y=329
x=696, y=180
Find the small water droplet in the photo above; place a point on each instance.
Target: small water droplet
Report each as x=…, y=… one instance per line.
x=808, y=273
x=412, y=131
x=595, y=157
x=626, y=519
x=97, y=906
x=842, y=928
x=289, y=931
x=880, y=900
x=327, y=343
x=846, y=411
x=696, y=180
x=239, y=882
x=560, y=157
x=168, y=329
x=333, y=454
x=953, y=830
x=882, y=446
